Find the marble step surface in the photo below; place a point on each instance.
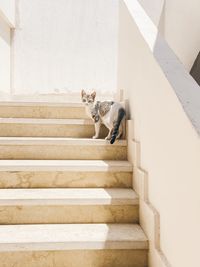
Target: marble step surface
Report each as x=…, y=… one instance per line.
x=46, y=127
x=65, y=174
x=42, y=110
x=36, y=148
x=93, y=245
x=38, y=206
x=32, y=127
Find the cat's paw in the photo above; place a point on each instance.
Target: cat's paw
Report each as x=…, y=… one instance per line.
x=107, y=138
x=94, y=137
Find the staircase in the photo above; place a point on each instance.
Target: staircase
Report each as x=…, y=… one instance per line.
x=65, y=201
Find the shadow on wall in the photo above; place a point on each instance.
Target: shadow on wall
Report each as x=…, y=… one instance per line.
x=182, y=83
x=153, y=77
x=179, y=78
x=195, y=71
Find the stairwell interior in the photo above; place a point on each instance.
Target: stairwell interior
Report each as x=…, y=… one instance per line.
x=68, y=200
x=65, y=199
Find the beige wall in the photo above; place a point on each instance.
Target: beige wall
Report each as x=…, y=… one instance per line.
x=182, y=29
x=179, y=23
x=170, y=150
x=154, y=9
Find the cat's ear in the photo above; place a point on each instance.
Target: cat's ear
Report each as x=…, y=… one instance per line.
x=93, y=95
x=83, y=93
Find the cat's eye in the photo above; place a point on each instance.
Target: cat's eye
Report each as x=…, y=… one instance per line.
x=84, y=100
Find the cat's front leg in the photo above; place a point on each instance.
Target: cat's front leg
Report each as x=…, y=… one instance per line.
x=97, y=126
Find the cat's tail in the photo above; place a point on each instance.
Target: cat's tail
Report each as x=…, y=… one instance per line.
x=121, y=114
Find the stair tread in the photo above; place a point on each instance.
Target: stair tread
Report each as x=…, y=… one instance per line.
x=68, y=196
x=41, y=104
x=46, y=121
x=58, y=141
x=71, y=236
x=65, y=165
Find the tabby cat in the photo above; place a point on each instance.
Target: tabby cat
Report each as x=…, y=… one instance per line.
x=110, y=113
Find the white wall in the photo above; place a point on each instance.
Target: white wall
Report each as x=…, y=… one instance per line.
x=7, y=11
x=5, y=57
x=170, y=145
x=65, y=45
x=7, y=21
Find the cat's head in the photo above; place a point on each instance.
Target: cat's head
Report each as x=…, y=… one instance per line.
x=88, y=99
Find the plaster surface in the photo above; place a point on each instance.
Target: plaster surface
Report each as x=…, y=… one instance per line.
x=169, y=151
x=63, y=46
x=5, y=67
x=7, y=11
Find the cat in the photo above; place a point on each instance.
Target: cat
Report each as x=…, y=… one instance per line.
x=110, y=113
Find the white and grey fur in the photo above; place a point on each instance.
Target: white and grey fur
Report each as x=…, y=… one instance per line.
x=110, y=113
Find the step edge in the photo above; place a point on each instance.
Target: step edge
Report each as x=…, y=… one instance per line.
x=68, y=196
x=58, y=246
x=68, y=202
x=38, y=121
x=41, y=104
x=58, y=141
x=122, y=240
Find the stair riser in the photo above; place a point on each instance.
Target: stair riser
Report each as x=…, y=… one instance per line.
x=75, y=258
x=56, y=214
x=49, y=130
x=53, y=179
x=43, y=112
x=73, y=152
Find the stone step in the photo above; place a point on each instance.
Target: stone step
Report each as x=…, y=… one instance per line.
x=40, y=206
x=74, y=245
x=61, y=148
x=65, y=173
x=42, y=110
x=81, y=128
